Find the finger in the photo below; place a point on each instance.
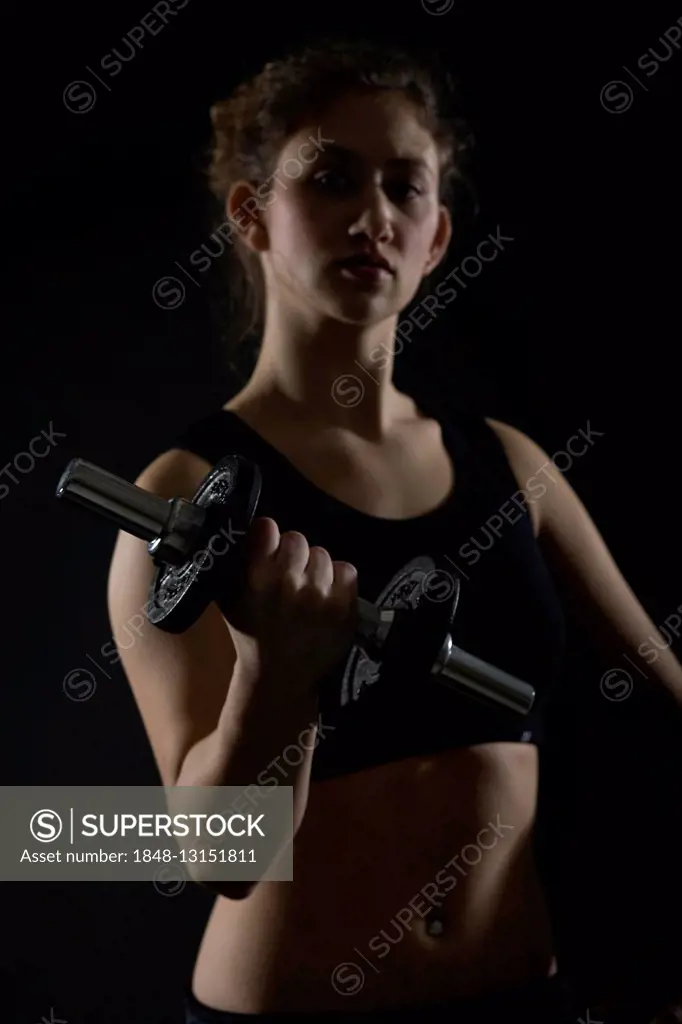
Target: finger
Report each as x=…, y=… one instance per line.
x=292, y=557
x=345, y=576
x=319, y=572
x=263, y=540
x=344, y=591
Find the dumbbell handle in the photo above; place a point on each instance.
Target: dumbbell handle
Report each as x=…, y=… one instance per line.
x=172, y=526
x=453, y=667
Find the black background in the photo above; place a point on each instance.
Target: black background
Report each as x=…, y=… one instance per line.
x=576, y=321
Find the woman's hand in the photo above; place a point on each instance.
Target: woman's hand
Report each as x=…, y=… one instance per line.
x=297, y=615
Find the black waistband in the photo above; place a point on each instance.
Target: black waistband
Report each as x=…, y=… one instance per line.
x=545, y=1001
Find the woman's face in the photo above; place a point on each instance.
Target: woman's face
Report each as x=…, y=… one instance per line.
x=368, y=182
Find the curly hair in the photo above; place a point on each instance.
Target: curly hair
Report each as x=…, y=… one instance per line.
x=252, y=125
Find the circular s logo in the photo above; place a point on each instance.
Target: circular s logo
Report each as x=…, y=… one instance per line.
x=616, y=97
x=348, y=391
x=347, y=978
x=438, y=585
x=168, y=292
x=79, y=97
x=46, y=826
x=79, y=684
x=616, y=684
x=170, y=880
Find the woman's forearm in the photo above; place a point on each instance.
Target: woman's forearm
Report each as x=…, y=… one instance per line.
x=246, y=748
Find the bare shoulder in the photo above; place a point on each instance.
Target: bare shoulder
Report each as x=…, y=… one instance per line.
x=526, y=458
x=174, y=473
x=517, y=444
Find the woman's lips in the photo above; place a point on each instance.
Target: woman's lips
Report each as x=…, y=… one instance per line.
x=367, y=273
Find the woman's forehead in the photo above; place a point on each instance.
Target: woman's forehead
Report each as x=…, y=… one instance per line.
x=377, y=127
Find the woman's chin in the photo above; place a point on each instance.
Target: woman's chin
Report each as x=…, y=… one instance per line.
x=362, y=309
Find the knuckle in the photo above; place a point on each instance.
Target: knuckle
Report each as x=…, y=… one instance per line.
x=257, y=577
x=287, y=581
x=339, y=602
x=312, y=593
x=319, y=552
x=295, y=538
x=345, y=575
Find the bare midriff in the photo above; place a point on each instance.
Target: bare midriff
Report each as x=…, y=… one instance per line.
x=414, y=883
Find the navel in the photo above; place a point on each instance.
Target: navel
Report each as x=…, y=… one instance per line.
x=434, y=923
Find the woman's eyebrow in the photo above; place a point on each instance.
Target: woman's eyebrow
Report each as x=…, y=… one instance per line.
x=343, y=153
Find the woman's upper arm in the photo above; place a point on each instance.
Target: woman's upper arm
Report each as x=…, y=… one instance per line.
x=586, y=572
x=179, y=682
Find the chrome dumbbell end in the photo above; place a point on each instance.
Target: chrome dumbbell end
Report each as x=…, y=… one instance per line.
x=465, y=672
x=132, y=509
x=453, y=667
x=170, y=526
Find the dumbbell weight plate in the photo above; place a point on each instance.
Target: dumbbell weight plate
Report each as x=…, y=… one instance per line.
x=416, y=636
x=180, y=594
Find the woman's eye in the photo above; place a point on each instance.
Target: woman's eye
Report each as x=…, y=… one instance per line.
x=337, y=181
x=404, y=190
x=331, y=180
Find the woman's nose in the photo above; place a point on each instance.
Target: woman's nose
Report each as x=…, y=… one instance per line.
x=374, y=218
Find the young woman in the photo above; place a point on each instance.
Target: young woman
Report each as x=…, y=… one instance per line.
x=415, y=888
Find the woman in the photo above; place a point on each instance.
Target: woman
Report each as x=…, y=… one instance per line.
x=415, y=882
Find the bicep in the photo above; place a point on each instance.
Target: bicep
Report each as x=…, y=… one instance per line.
x=585, y=568
x=179, y=681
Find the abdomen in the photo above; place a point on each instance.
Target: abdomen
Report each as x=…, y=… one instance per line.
x=378, y=852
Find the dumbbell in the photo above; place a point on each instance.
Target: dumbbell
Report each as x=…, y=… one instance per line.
x=191, y=573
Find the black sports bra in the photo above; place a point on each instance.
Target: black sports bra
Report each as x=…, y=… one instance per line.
x=509, y=613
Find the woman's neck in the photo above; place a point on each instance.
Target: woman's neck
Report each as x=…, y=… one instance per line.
x=339, y=377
